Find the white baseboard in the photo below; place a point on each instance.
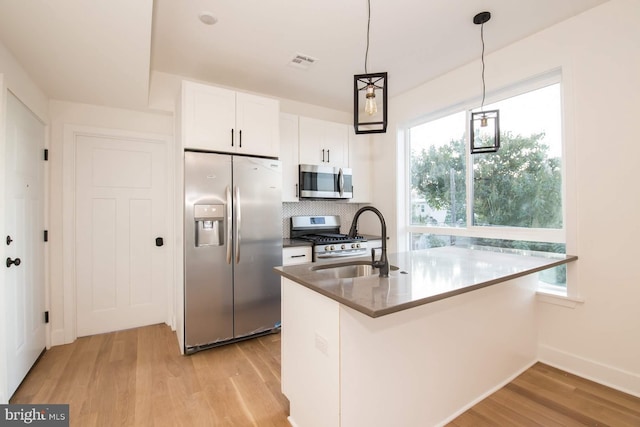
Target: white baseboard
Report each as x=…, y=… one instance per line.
x=485, y=395
x=625, y=381
x=293, y=423
x=57, y=337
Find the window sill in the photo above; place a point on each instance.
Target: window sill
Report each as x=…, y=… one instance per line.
x=556, y=298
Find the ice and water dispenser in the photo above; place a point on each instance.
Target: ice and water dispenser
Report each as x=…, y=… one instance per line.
x=209, y=224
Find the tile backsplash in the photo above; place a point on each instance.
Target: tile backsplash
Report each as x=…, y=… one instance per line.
x=345, y=211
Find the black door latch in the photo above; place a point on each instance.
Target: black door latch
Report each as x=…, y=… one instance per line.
x=15, y=262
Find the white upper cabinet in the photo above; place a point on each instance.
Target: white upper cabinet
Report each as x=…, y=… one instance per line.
x=209, y=115
x=257, y=121
x=218, y=119
x=289, y=156
x=360, y=163
x=323, y=143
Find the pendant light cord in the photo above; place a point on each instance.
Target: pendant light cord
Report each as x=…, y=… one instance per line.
x=366, y=54
x=482, y=59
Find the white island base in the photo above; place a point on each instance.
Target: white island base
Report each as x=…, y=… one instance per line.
x=418, y=367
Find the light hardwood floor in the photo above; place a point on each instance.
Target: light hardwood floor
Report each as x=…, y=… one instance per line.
x=138, y=378
x=545, y=396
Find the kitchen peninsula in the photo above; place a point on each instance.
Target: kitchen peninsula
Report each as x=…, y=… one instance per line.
x=446, y=328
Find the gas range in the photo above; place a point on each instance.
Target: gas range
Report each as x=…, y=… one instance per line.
x=324, y=232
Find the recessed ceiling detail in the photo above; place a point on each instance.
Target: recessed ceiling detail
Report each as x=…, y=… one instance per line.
x=252, y=43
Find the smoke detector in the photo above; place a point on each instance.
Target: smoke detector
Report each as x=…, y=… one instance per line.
x=207, y=18
x=302, y=61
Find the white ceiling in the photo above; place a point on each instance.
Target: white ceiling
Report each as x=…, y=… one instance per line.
x=103, y=51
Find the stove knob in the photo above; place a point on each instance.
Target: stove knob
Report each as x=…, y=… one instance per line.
x=333, y=247
x=342, y=247
x=357, y=245
x=327, y=248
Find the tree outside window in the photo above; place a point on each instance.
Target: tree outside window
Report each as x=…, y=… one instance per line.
x=519, y=186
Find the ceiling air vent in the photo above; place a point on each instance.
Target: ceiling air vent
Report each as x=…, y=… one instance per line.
x=302, y=61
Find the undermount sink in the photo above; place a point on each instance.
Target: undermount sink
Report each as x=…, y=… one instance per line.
x=346, y=270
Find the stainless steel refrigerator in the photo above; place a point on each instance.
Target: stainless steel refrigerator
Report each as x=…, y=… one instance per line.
x=233, y=239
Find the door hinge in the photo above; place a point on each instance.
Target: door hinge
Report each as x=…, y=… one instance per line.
x=46, y=235
x=46, y=154
x=46, y=316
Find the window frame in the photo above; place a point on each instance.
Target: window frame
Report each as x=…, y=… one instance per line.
x=493, y=232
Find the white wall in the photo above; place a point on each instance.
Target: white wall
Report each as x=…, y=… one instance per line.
x=13, y=78
x=599, y=54
x=61, y=114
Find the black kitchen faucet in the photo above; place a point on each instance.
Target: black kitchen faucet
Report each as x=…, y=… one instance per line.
x=383, y=262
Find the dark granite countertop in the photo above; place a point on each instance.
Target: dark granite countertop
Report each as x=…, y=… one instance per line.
x=422, y=277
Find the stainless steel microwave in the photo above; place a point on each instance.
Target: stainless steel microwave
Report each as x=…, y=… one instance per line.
x=325, y=182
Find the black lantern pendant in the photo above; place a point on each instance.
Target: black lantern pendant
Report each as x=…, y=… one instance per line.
x=485, y=131
x=369, y=95
x=485, y=125
x=370, y=103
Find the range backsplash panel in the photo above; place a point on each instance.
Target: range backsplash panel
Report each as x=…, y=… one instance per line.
x=346, y=211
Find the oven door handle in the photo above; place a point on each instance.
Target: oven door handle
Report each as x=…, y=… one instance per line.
x=342, y=255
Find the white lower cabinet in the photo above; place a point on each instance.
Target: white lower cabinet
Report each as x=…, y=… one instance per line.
x=417, y=367
x=310, y=356
x=296, y=255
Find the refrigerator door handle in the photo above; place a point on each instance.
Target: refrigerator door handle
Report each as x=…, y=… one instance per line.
x=238, y=212
x=229, y=224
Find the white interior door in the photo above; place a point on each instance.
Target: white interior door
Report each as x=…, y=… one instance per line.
x=121, y=204
x=24, y=266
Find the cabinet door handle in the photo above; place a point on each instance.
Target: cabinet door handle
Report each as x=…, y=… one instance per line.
x=297, y=190
x=328, y=161
x=298, y=256
x=232, y=137
x=240, y=138
x=323, y=155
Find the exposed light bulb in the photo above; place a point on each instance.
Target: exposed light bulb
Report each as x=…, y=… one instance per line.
x=370, y=106
x=483, y=121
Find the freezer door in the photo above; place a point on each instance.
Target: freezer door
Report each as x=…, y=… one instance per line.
x=208, y=276
x=258, y=201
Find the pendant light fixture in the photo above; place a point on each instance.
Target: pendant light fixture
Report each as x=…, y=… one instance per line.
x=485, y=125
x=369, y=95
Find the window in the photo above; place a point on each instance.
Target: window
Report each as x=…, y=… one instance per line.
x=512, y=199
